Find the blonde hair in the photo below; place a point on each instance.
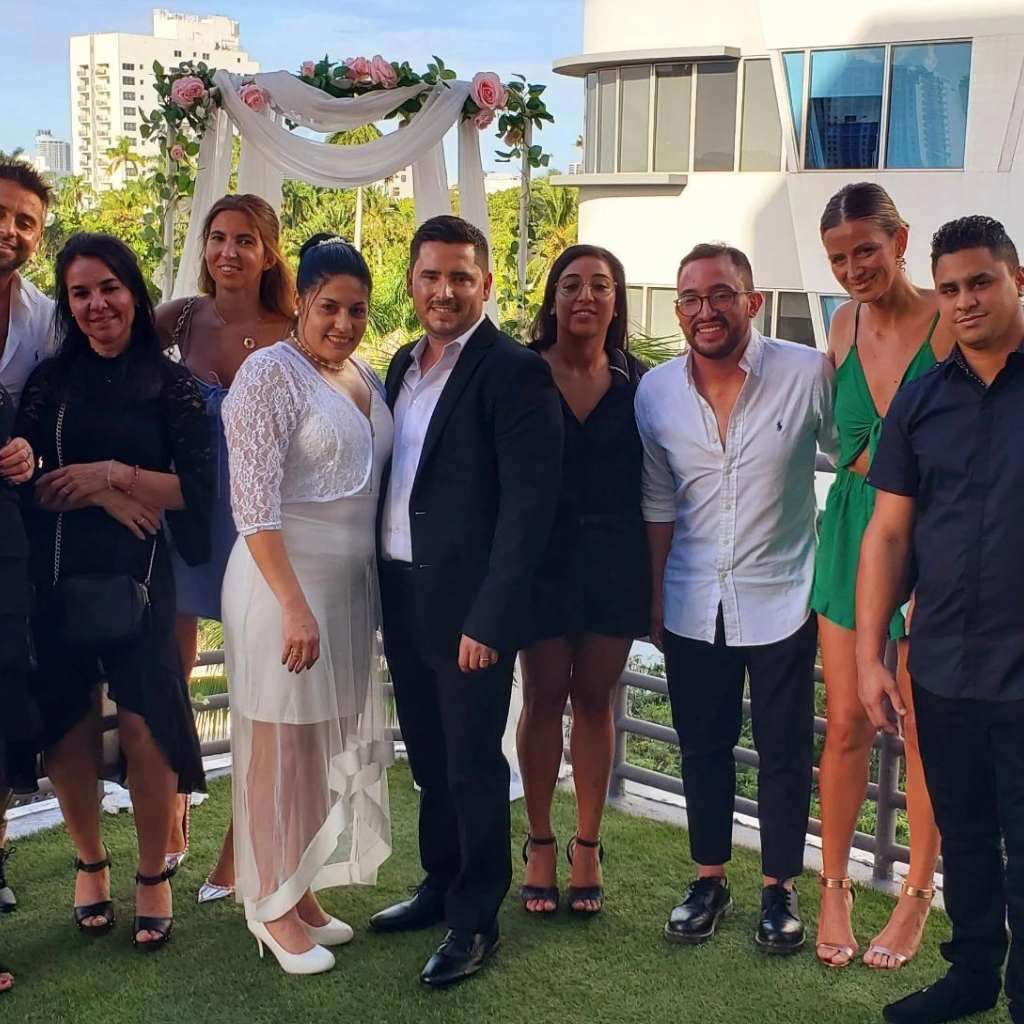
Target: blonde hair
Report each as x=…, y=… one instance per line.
x=277, y=282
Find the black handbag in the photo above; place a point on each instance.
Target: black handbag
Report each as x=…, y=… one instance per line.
x=97, y=610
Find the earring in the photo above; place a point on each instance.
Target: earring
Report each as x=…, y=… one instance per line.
x=901, y=262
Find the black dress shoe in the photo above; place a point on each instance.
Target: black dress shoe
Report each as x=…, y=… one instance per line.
x=424, y=908
x=460, y=955
x=695, y=919
x=950, y=998
x=780, y=929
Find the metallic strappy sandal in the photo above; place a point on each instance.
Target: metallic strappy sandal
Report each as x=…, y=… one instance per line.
x=847, y=952
x=900, y=958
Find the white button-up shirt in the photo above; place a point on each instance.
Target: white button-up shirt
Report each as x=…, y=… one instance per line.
x=29, y=335
x=414, y=407
x=744, y=513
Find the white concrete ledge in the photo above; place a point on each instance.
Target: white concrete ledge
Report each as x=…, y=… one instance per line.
x=651, y=179
x=579, y=65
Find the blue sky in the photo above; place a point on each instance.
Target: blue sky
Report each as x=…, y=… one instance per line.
x=524, y=36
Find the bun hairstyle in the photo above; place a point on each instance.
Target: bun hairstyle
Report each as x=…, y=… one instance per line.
x=324, y=256
x=862, y=200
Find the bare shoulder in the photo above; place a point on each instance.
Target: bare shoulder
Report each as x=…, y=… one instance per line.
x=167, y=314
x=841, y=333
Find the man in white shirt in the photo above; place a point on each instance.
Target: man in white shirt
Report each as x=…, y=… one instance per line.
x=26, y=337
x=730, y=430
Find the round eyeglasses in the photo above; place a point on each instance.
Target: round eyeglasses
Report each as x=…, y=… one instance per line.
x=720, y=300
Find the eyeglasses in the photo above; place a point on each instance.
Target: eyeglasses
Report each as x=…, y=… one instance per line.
x=574, y=286
x=721, y=300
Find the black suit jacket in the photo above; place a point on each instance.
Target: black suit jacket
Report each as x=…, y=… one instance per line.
x=485, y=493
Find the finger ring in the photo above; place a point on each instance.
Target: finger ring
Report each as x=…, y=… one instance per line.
x=485, y=661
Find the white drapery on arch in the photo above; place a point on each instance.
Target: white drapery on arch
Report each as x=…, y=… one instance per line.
x=270, y=152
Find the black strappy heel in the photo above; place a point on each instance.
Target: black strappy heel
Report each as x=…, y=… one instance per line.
x=161, y=925
x=104, y=908
x=544, y=893
x=579, y=893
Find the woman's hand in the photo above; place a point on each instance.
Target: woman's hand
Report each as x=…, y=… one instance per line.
x=301, y=636
x=73, y=485
x=16, y=461
x=130, y=512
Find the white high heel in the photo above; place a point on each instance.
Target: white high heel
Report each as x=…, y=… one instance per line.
x=313, y=961
x=334, y=933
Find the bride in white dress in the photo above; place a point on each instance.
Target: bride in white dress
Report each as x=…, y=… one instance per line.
x=308, y=433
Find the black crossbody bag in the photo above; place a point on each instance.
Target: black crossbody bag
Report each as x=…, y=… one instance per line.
x=97, y=610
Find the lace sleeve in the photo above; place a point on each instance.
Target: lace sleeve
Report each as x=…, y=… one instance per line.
x=193, y=457
x=260, y=415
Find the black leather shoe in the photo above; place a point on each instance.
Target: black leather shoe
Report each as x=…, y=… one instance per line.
x=695, y=919
x=950, y=998
x=424, y=908
x=459, y=956
x=780, y=929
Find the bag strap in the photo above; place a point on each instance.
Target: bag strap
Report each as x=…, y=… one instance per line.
x=60, y=515
x=183, y=318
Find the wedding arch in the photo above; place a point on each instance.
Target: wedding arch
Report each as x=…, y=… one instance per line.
x=202, y=107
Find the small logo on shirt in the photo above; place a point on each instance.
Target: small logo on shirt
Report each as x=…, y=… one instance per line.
x=778, y=424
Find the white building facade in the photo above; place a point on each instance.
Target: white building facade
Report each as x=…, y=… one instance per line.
x=111, y=76
x=736, y=121
x=53, y=156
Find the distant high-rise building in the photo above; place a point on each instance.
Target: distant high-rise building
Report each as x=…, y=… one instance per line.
x=112, y=84
x=53, y=156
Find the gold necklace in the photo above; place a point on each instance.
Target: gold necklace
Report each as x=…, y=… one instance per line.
x=248, y=341
x=314, y=358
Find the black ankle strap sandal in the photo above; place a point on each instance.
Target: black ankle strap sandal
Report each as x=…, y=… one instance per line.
x=161, y=925
x=584, y=893
x=104, y=908
x=542, y=893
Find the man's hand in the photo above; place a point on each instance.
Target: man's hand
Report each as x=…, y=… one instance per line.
x=656, y=633
x=880, y=696
x=73, y=484
x=16, y=461
x=474, y=655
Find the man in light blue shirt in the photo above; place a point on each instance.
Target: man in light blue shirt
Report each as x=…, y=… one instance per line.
x=730, y=432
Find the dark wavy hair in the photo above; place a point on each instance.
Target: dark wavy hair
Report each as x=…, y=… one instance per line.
x=324, y=256
x=452, y=231
x=544, y=329
x=144, y=348
x=976, y=232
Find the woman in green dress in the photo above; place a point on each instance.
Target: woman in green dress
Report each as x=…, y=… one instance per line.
x=888, y=334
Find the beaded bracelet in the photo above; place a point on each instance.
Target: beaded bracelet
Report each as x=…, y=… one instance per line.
x=135, y=480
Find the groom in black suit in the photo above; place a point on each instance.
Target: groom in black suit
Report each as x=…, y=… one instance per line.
x=467, y=508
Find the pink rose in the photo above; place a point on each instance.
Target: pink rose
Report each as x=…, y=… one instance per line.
x=487, y=91
x=254, y=97
x=382, y=73
x=513, y=137
x=358, y=69
x=483, y=119
x=185, y=91
x=308, y=69
x=177, y=152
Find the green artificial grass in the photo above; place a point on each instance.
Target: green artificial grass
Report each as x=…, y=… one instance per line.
x=611, y=969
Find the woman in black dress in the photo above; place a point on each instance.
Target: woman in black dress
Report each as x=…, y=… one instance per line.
x=592, y=592
x=17, y=722
x=133, y=446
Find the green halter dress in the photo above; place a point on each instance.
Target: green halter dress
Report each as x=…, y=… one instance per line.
x=851, y=499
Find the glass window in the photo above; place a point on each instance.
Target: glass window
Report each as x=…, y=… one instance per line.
x=829, y=305
x=634, y=121
x=127, y=80
x=795, y=322
x=761, y=136
x=590, y=131
x=794, y=65
x=715, y=140
x=635, y=309
x=661, y=318
x=763, y=320
x=844, y=111
x=673, y=83
x=928, y=105
x=607, y=116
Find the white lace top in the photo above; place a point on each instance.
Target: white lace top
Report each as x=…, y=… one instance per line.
x=292, y=437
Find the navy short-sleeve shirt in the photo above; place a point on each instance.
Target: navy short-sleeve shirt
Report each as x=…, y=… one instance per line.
x=957, y=448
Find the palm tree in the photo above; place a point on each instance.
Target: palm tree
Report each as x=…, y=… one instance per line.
x=556, y=226
x=122, y=155
x=15, y=154
x=357, y=137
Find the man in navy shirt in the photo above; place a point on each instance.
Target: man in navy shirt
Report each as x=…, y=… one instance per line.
x=949, y=524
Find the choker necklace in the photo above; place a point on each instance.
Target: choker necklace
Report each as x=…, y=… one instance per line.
x=314, y=358
x=248, y=341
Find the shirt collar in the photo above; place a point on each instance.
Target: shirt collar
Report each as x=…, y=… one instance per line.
x=752, y=360
x=957, y=361
x=456, y=345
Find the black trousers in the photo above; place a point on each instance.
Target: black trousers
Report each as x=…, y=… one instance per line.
x=705, y=685
x=452, y=724
x=973, y=756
